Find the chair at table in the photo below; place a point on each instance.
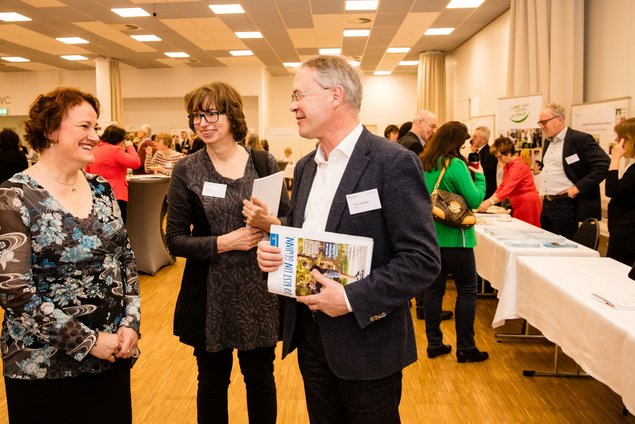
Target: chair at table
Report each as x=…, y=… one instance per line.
x=588, y=234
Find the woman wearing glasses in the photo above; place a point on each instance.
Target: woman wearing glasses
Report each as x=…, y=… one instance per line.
x=68, y=279
x=223, y=303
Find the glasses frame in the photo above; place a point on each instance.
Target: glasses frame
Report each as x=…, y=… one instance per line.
x=544, y=121
x=296, y=96
x=197, y=118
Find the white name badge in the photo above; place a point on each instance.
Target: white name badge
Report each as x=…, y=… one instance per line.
x=363, y=201
x=572, y=159
x=214, y=189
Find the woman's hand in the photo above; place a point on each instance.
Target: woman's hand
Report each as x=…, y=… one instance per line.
x=107, y=347
x=484, y=206
x=618, y=150
x=269, y=257
x=149, y=150
x=257, y=214
x=129, y=339
x=245, y=238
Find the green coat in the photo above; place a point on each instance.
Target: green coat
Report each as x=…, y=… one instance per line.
x=457, y=179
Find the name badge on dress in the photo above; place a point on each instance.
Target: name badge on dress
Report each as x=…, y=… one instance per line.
x=214, y=189
x=572, y=159
x=363, y=201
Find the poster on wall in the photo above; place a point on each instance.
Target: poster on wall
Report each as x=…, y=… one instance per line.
x=518, y=112
x=599, y=118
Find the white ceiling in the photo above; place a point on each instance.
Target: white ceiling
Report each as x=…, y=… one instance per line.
x=293, y=30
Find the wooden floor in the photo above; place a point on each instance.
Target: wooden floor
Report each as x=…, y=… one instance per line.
x=434, y=391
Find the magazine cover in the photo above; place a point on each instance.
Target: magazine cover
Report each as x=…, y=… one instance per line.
x=341, y=257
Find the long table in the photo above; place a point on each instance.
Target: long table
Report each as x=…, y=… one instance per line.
x=556, y=296
x=497, y=250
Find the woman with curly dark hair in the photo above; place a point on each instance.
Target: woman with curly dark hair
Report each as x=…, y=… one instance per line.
x=215, y=223
x=12, y=158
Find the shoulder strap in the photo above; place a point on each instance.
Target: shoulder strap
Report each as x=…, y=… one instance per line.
x=447, y=162
x=260, y=158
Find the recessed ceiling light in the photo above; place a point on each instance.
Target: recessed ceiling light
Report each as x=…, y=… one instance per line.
x=72, y=40
x=74, y=57
x=13, y=17
x=438, y=31
x=130, y=12
x=408, y=63
x=361, y=4
x=15, y=59
x=291, y=64
x=176, y=54
x=398, y=50
x=146, y=37
x=248, y=34
x=382, y=72
x=356, y=32
x=226, y=9
x=241, y=53
x=330, y=51
x=464, y=4
x=354, y=63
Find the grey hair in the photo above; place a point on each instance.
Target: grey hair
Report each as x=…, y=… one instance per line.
x=146, y=129
x=484, y=130
x=556, y=110
x=335, y=70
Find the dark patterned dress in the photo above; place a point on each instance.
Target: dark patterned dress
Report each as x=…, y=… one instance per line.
x=62, y=280
x=223, y=302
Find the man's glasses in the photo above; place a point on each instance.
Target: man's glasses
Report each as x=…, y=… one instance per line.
x=544, y=121
x=296, y=96
x=210, y=117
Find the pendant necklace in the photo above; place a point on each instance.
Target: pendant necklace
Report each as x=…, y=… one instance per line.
x=71, y=185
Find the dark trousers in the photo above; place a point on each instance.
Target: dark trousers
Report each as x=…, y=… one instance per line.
x=460, y=263
x=559, y=216
x=332, y=400
x=214, y=369
x=621, y=248
x=123, y=207
x=95, y=398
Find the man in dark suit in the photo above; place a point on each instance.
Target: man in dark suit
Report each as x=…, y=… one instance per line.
x=353, y=341
x=424, y=125
x=574, y=165
x=489, y=163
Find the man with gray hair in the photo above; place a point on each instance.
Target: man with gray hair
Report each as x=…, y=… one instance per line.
x=354, y=341
x=573, y=166
x=480, y=145
x=144, y=134
x=424, y=125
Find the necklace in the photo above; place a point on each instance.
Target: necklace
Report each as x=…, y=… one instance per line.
x=71, y=185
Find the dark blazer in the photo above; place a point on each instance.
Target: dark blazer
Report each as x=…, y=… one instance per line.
x=411, y=142
x=377, y=338
x=489, y=164
x=586, y=173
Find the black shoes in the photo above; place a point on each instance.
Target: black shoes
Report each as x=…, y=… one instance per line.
x=444, y=349
x=445, y=315
x=470, y=355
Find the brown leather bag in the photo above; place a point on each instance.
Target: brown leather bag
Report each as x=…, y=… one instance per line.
x=450, y=208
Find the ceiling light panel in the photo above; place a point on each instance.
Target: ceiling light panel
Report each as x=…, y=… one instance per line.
x=74, y=57
x=438, y=31
x=72, y=40
x=130, y=12
x=464, y=4
x=241, y=53
x=15, y=59
x=226, y=9
x=146, y=38
x=361, y=4
x=356, y=32
x=177, y=54
x=408, y=63
x=13, y=17
x=248, y=34
x=330, y=51
x=397, y=49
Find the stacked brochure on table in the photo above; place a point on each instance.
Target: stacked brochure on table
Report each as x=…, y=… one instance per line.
x=615, y=298
x=340, y=257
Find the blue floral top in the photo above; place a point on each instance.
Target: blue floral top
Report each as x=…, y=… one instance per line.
x=62, y=280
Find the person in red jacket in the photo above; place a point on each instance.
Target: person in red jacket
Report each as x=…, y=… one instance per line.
x=113, y=156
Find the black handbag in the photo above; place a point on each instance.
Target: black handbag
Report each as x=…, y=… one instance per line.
x=450, y=208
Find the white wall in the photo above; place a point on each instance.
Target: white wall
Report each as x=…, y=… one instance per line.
x=478, y=70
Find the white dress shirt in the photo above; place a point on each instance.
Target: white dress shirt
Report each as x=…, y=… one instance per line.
x=554, y=179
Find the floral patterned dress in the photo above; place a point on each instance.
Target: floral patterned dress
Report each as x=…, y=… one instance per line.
x=62, y=280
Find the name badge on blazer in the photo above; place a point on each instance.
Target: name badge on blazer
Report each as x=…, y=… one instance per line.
x=214, y=190
x=363, y=201
x=572, y=159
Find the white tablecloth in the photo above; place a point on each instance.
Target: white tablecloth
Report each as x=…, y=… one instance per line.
x=496, y=257
x=555, y=296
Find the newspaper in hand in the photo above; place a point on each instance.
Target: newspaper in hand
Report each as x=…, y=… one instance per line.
x=340, y=257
